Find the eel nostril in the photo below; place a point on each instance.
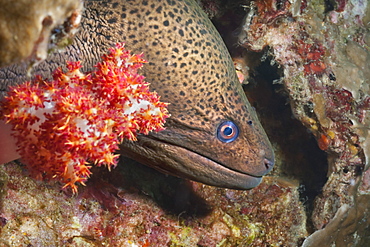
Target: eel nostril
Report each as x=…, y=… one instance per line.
x=268, y=164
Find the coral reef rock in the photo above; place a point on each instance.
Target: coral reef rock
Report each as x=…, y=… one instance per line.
x=323, y=50
x=135, y=205
x=28, y=29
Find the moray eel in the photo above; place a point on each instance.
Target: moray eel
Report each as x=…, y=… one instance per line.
x=213, y=135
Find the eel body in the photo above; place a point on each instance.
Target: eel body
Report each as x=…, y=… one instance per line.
x=213, y=135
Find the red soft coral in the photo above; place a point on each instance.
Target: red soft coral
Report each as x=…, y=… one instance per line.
x=77, y=119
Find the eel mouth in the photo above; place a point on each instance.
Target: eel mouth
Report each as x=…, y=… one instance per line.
x=183, y=162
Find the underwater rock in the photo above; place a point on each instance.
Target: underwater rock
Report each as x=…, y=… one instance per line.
x=138, y=206
x=323, y=51
x=28, y=29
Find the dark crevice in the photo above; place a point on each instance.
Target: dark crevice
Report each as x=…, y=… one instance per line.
x=298, y=155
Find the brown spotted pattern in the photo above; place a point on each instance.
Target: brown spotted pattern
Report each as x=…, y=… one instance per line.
x=189, y=66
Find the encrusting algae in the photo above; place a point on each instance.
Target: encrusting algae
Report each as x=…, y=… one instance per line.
x=76, y=119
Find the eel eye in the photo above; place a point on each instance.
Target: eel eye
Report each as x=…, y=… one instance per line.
x=227, y=131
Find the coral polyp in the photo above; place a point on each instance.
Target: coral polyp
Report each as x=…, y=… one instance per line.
x=77, y=119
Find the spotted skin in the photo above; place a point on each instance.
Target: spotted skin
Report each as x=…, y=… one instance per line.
x=190, y=67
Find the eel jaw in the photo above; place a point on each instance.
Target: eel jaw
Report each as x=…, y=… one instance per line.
x=181, y=162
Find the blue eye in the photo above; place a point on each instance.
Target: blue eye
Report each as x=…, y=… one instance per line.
x=227, y=132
